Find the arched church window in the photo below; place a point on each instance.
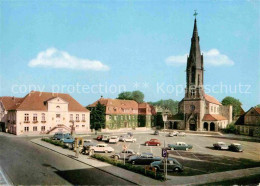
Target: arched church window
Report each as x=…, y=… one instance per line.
x=193, y=74
x=192, y=107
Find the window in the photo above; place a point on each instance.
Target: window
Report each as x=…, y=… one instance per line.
x=57, y=107
x=129, y=117
x=211, y=108
x=26, y=129
x=77, y=117
x=192, y=92
x=83, y=126
x=57, y=115
x=71, y=117
x=214, y=109
x=83, y=117
x=43, y=117
x=34, y=117
x=77, y=126
x=122, y=117
x=110, y=117
x=43, y=128
x=192, y=107
x=34, y=128
x=26, y=117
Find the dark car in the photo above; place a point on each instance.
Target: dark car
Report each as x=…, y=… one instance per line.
x=236, y=147
x=89, y=143
x=220, y=146
x=130, y=134
x=156, y=132
x=99, y=138
x=172, y=165
x=59, y=136
x=143, y=159
x=153, y=142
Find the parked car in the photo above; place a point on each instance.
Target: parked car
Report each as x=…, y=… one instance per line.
x=154, y=142
x=174, y=133
x=130, y=139
x=99, y=138
x=124, y=154
x=236, y=147
x=172, y=165
x=101, y=148
x=113, y=139
x=59, y=136
x=181, y=134
x=88, y=143
x=122, y=137
x=143, y=159
x=130, y=134
x=220, y=146
x=179, y=146
x=156, y=132
x=106, y=138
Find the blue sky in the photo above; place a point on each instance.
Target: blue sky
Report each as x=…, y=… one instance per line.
x=93, y=48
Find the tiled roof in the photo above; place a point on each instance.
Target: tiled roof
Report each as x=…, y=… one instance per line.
x=213, y=117
x=36, y=101
x=10, y=102
x=257, y=110
x=211, y=99
x=146, y=108
x=118, y=106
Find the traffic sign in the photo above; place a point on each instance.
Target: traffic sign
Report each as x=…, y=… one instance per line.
x=164, y=153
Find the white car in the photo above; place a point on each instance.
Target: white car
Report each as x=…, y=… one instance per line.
x=130, y=139
x=123, y=137
x=174, y=133
x=113, y=139
x=105, y=138
x=181, y=134
x=101, y=148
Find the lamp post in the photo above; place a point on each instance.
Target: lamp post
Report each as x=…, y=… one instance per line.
x=165, y=115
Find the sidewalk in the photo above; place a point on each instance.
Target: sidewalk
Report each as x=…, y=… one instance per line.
x=143, y=180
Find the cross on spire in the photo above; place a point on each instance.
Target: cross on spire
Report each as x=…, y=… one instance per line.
x=195, y=13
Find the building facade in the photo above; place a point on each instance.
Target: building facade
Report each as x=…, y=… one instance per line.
x=197, y=110
x=44, y=113
x=124, y=113
x=249, y=123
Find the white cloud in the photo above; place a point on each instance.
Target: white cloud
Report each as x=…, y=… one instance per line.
x=54, y=58
x=212, y=57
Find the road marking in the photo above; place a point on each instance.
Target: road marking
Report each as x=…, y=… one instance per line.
x=3, y=176
x=195, y=156
x=179, y=154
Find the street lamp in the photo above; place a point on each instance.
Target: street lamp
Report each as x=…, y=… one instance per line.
x=164, y=116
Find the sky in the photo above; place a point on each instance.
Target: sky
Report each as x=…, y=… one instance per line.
x=94, y=48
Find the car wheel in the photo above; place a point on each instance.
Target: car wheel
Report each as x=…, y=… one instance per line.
x=116, y=157
x=146, y=144
x=133, y=162
x=177, y=169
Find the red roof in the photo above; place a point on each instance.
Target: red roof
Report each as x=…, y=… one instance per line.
x=10, y=102
x=213, y=117
x=211, y=99
x=37, y=101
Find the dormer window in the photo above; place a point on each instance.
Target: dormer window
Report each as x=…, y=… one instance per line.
x=57, y=107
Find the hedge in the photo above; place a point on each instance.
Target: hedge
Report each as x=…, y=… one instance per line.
x=55, y=142
x=127, y=166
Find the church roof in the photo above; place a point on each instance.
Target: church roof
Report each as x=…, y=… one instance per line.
x=213, y=117
x=211, y=99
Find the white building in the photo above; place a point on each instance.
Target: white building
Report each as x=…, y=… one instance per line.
x=43, y=113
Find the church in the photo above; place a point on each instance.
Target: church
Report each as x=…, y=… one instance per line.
x=198, y=111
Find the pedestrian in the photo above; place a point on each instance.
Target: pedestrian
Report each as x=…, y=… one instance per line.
x=77, y=152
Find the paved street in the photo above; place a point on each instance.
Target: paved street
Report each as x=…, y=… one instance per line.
x=26, y=163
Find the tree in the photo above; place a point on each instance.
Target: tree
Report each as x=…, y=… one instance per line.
x=125, y=95
x=167, y=104
x=235, y=103
x=257, y=106
x=138, y=96
x=98, y=116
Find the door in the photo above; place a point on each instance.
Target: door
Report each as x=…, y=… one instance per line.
x=251, y=132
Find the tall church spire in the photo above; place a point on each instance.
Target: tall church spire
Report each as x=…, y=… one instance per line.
x=195, y=67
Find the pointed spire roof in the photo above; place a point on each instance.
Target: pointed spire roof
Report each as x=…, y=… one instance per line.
x=195, y=54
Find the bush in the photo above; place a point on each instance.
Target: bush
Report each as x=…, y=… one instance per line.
x=127, y=166
x=55, y=142
x=231, y=128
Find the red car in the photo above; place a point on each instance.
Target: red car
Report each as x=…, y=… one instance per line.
x=99, y=138
x=155, y=142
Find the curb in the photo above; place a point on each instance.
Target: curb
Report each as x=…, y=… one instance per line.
x=131, y=181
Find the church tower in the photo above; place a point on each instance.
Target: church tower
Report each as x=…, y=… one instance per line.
x=194, y=70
